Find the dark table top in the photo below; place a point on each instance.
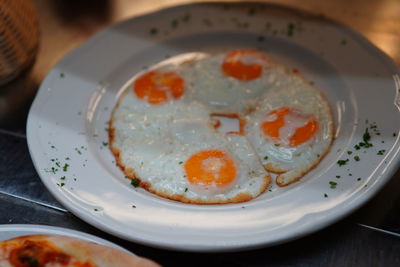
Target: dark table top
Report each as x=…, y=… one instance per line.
x=368, y=237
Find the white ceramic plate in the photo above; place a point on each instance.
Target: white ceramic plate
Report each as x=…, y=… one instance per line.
x=68, y=140
x=8, y=231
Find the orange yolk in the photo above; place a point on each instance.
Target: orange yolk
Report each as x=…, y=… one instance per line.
x=244, y=65
x=159, y=87
x=300, y=135
x=211, y=167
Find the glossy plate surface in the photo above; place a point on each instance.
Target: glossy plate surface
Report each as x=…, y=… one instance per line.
x=68, y=140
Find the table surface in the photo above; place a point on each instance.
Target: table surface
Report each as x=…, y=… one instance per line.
x=368, y=237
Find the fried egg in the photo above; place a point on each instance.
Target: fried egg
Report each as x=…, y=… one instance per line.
x=169, y=143
x=166, y=132
x=188, y=160
x=230, y=83
x=292, y=128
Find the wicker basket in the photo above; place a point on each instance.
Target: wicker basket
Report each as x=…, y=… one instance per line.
x=19, y=37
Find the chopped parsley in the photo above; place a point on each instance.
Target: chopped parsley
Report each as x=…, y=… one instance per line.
x=153, y=31
x=133, y=206
x=135, y=182
x=78, y=151
x=325, y=195
x=338, y=176
x=290, y=29
x=332, y=184
x=359, y=179
x=342, y=162
x=260, y=38
x=251, y=11
x=174, y=23
x=62, y=75
x=186, y=18
x=381, y=152
x=266, y=158
x=349, y=152
x=356, y=158
x=180, y=162
x=186, y=189
x=207, y=22
x=276, y=144
x=105, y=143
x=65, y=168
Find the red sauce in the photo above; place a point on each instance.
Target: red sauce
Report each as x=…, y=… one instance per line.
x=38, y=254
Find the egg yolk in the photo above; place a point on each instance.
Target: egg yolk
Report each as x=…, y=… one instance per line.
x=244, y=65
x=287, y=124
x=159, y=87
x=211, y=167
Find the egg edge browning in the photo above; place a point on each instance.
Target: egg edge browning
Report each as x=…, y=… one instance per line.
x=274, y=168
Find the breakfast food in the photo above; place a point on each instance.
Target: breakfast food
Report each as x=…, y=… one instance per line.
x=166, y=132
x=57, y=250
x=291, y=129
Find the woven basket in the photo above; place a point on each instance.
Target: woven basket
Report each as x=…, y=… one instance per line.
x=19, y=37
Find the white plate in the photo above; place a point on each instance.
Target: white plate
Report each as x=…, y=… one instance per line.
x=68, y=118
x=8, y=231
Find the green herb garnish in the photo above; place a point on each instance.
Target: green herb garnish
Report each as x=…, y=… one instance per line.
x=381, y=152
x=342, y=162
x=207, y=22
x=153, y=31
x=135, y=182
x=356, y=158
x=349, y=152
x=325, y=195
x=251, y=12
x=174, y=23
x=65, y=168
x=266, y=158
x=186, y=18
x=290, y=29
x=332, y=184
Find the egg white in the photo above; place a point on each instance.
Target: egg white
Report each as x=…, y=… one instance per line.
x=291, y=90
x=152, y=143
x=221, y=93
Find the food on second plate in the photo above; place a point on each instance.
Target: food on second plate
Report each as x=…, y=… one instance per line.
x=57, y=250
x=166, y=138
